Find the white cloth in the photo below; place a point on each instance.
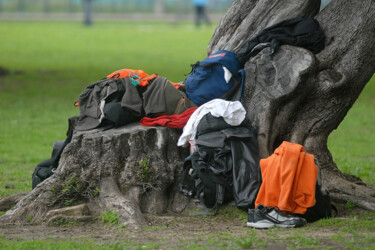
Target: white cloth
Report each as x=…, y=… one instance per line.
x=232, y=112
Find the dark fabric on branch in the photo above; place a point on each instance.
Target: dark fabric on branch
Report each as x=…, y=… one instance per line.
x=304, y=32
x=47, y=167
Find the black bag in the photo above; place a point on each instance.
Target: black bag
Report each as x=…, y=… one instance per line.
x=47, y=167
x=225, y=165
x=323, y=207
x=215, y=185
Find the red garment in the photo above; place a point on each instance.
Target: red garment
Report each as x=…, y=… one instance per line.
x=172, y=121
x=289, y=177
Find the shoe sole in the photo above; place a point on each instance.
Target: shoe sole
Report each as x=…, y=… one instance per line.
x=296, y=224
x=286, y=226
x=260, y=224
x=267, y=224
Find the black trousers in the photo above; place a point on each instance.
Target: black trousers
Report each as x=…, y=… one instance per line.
x=201, y=15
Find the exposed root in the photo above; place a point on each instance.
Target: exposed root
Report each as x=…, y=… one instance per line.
x=8, y=202
x=112, y=199
x=342, y=190
x=365, y=204
x=59, y=220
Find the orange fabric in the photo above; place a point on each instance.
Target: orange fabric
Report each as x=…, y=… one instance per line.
x=140, y=75
x=288, y=179
x=177, y=85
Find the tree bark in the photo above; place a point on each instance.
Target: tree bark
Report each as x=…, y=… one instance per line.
x=130, y=170
x=301, y=97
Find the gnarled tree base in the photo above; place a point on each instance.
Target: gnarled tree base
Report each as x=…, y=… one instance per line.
x=129, y=170
x=343, y=187
x=300, y=97
x=281, y=97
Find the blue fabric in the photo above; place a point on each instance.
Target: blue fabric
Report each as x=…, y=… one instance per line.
x=206, y=80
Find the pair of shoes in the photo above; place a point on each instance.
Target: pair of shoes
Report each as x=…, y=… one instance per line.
x=266, y=217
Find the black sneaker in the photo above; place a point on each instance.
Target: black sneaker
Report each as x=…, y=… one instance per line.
x=266, y=217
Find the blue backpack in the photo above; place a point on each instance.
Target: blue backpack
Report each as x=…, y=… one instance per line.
x=206, y=80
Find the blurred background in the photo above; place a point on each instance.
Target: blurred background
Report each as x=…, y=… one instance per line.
x=172, y=10
x=109, y=9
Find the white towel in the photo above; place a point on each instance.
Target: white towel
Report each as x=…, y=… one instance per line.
x=232, y=112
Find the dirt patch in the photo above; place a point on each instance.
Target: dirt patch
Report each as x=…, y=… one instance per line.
x=228, y=228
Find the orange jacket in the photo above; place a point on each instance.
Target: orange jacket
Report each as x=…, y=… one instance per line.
x=289, y=178
x=137, y=75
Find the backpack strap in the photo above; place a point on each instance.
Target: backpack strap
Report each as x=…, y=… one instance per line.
x=235, y=92
x=242, y=72
x=220, y=191
x=186, y=183
x=193, y=66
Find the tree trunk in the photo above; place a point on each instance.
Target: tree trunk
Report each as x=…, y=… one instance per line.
x=131, y=170
x=298, y=96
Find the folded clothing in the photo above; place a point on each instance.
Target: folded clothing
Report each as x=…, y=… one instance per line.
x=289, y=178
x=171, y=121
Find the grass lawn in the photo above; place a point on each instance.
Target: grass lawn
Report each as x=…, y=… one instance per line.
x=353, y=144
x=50, y=63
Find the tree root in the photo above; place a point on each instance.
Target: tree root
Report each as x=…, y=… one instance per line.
x=8, y=202
x=342, y=191
x=112, y=199
x=68, y=220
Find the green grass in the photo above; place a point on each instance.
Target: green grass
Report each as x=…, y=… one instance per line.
x=64, y=244
x=353, y=144
x=110, y=217
x=74, y=51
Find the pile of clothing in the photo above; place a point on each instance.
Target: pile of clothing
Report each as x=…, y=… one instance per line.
x=127, y=96
x=223, y=164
